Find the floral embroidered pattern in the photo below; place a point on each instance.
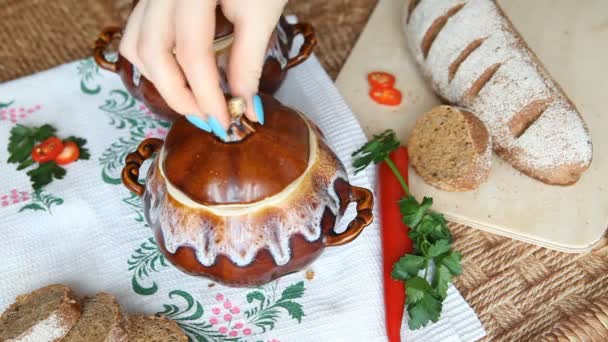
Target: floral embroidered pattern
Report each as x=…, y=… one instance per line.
x=88, y=72
x=227, y=321
x=124, y=113
x=14, y=197
x=41, y=148
x=43, y=155
x=145, y=260
x=42, y=201
x=14, y=114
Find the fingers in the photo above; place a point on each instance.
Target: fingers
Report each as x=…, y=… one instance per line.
x=195, y=30
x=128, y=42
x=155, y=49
x=254, y=23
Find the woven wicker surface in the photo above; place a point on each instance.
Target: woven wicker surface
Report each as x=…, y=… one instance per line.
x=520, y=292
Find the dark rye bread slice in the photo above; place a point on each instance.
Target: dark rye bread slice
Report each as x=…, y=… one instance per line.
x=474, y=57
x=154, y=329
x=101, y=321
x=46, y=314
x=450, y=149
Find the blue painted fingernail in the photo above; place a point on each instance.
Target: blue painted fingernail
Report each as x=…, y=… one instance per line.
x=199, y=122
x=258, y=108
x=217, y=128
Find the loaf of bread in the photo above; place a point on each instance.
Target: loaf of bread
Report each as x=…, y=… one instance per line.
x=473, y=57
x=101, y=321
x=44, y=315
x=154, y=329
x=450, y=149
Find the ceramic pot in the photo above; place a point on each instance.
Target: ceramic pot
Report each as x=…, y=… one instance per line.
x=276, y=64
x=247, y=212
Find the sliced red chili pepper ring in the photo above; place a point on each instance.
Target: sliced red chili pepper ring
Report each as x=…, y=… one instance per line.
x=386, y=96
x=70, y=153
x=47, y=150
x=381, y=79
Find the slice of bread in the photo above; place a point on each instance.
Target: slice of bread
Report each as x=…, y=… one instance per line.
x=101, y=321
x=46, y=314
x=474, y=57
x=154, y=329
x=450, y=148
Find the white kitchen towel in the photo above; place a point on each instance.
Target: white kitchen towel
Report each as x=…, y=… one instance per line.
x=86, y=230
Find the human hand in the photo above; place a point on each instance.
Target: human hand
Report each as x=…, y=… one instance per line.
x=171, y=43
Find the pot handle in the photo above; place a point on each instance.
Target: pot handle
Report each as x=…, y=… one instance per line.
x=310, y=40
x=101, y=44
x=130, y=173
x=365, y=203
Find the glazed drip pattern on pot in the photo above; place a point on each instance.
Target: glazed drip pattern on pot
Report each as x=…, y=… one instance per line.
x=241, y=231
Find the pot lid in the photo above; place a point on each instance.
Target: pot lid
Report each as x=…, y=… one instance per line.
x=212, y=172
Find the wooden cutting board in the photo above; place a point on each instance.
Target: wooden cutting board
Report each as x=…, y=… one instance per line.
x=571, y=38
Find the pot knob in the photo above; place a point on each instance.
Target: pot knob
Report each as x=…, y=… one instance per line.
x=240, y=127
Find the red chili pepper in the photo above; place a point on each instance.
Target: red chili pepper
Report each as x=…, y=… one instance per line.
x=395, y=241
x=381, y=79
x=386, y=96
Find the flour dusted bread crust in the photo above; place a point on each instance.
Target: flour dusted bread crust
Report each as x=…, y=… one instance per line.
x=154, y=329
x=474, y=57
x=46, y=314
x=450, y=149
x=101, y=321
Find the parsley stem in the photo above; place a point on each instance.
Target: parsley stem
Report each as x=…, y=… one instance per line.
x=397, y=174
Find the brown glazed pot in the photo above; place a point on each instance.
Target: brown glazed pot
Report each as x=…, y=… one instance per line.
x=247, y=212
x=276, y=64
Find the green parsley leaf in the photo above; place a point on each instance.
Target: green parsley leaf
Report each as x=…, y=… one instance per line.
x=412, y=211
x=415, y=288
x=427, y=309
x=84, y=152
x=44, y=174
x=451, y=260
x=442, y=280
x=438, y=248
x=44, y=132
x=408, y=266
x=21, y=143
x=431, y=241
x=376, y=150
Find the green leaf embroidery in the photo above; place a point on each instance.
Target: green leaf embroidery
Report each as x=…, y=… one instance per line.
x=6, y=104
x=32, y=206
x=113, y=158
x=123, y=112
x=21, y=143
x=200, y=330
x=42, y=201
x=267, y=313
x=136, y=204
x=44, y=174
x=293, y=291
x=88, y=71
x=80, y=142
x=145, y=260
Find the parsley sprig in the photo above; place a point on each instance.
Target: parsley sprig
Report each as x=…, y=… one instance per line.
x=428, y=271
x=22, y=141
